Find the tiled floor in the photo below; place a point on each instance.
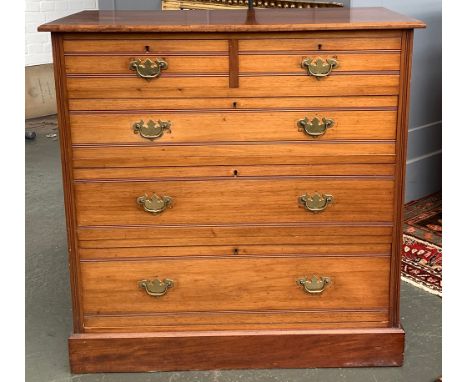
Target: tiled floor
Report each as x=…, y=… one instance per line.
x=48, y=310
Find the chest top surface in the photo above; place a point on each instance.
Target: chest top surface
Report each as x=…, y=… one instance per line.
x=238, y=20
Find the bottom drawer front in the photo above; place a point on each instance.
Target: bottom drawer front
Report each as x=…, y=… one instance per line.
x=237, y=320
x=227, y=284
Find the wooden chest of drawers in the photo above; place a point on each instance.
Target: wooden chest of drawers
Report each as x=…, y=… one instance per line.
x=233, y=186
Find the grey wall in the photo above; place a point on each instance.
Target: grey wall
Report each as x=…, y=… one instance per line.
x=424, y=162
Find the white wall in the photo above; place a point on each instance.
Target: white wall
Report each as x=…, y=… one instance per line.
x=38, y=45
x=424, y=161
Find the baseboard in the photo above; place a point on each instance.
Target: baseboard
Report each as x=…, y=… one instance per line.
x=171, y=351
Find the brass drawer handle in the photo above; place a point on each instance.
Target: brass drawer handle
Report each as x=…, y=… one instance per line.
x=148, y=69
x=315, y=128
x=155, y=204
x=156, y=287
x=152, y=130
x=316, y=202
x=318, y=67
x=315, y=285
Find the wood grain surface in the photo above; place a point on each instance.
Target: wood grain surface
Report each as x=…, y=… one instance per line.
x=235, y=236
x=279, y=153
x=218, y=86
x=146, y=173
x=203, y=284
x=332, y=249
x=236, y=350
x=235, y=20
x=247, y=320
x=248, y=63
x=230, y=201
x=155, y=45
x=235, y=126
x=310, y=103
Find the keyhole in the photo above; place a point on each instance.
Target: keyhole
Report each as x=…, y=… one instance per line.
x=235, y=251
x=319, y=46
x=234, y=104
x=235, y=173
x=147, y=48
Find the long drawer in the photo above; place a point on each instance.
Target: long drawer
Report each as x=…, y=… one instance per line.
x=232, y=126
x=218, y=86
x=308, y=102
x=229, y=284
x=232, y=200
x=282, y=153
x=154, y=241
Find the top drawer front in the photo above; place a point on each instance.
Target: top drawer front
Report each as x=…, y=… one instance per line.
x=218, y=43
x=281, y=64
x=149, y=46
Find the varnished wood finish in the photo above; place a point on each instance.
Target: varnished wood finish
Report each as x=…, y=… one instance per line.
x=236, y=238
x=67, y=178
x=233, y=63
x=308, y=153
x=238, y=251
x=248, y=320
x=260, y=20
x=232, y=126
x=402, y=138
x=235, y=284
x=75, y=64
x=145, y=173
x=319, y=46
x=277, y=103
x=234, y=201
x=249, y=63
x=156, y=45
x=218, y=86
x=236, y=350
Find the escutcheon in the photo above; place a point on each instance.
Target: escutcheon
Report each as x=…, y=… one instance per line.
x=316, y=285
x=156, y=287
x=315, y=128
x=148, y=69
x=152, y=130
x=316, y=202
x=155, y=204
x=319, y=67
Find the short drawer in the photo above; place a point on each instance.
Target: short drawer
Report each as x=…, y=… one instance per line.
x=235, y=126
x=232, y=200
x=230, y=284
x=293, y=63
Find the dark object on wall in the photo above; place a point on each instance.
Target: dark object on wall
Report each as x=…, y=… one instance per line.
x=236, y=4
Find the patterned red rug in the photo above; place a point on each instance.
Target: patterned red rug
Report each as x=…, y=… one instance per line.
x=422, y=244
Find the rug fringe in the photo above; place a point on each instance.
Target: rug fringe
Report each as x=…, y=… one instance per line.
x=420, y=286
